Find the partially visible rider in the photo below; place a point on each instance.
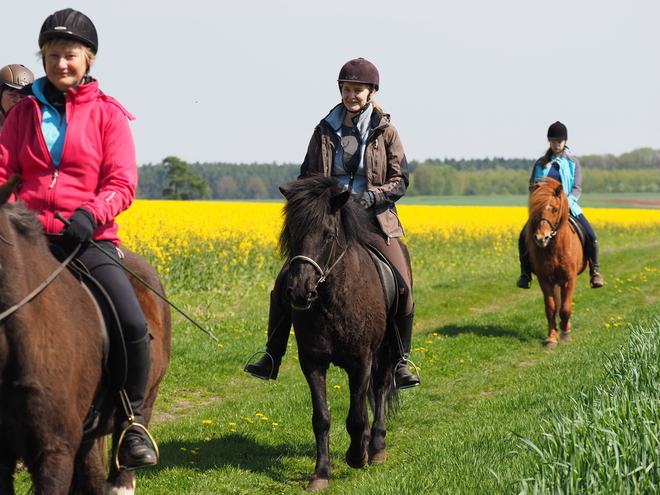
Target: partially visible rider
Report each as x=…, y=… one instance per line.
x=559, y=164
x=13, y=77
x=356, y=144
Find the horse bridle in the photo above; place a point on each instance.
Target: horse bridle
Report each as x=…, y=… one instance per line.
x=553, y=226
x=323, y=272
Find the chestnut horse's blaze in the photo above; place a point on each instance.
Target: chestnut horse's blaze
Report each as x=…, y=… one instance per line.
x=556, y=255
x=51, y=363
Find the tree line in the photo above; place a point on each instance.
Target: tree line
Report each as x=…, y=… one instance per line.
x=636, y=171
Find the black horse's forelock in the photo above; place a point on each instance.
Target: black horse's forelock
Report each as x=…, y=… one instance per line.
x=307, y=203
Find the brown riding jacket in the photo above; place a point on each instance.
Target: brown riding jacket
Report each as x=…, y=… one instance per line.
x=385, y=161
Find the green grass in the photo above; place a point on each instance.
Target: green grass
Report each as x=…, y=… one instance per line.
x=486, y=380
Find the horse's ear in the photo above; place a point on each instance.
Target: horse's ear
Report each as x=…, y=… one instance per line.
x=7, y=189
x=285, y=192
x=559, y=190
x=339, y=200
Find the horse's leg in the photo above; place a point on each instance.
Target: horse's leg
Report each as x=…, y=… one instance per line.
x=89, y=475
x=52, y=473
x=566, y=310
x=315, y=376
x=550, y=299
x=118, y=482
x=357, y=421
x=382, y=387
x=7, y=467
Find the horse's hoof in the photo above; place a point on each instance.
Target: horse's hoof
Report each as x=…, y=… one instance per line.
x=378, y=457
x=550, y=343
x=316, y=485
x=566, y=337
x=359, y=463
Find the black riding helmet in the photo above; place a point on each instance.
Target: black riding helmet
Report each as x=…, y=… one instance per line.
x=558, y=131
x=361, y=71
x=69, y=23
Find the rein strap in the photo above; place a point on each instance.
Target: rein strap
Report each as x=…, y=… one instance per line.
x=41, y=287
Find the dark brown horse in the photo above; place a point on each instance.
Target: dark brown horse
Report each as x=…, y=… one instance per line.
x=339, y=316
x=556, y=254
x=51, y=363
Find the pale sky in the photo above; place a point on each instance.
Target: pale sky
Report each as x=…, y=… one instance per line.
x=247, y=81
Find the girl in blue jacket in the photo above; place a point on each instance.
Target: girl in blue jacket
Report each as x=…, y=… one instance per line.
x=562, y=166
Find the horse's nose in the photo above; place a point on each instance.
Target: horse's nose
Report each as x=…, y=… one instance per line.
x=542, y=241
x=300, y=299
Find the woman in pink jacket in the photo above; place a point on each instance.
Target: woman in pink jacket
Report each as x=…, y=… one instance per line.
x=74, y=152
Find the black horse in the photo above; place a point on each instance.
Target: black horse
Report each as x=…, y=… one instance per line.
x=340, y=314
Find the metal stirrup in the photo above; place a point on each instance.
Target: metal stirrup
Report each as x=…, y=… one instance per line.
x=272, y=365
x=407, y=362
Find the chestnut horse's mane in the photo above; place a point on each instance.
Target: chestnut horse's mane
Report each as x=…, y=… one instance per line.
x=544, y=192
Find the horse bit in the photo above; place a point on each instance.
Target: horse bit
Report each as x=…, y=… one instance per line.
x=322, y=272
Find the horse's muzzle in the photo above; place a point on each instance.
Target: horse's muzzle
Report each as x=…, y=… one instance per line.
x=301, y=300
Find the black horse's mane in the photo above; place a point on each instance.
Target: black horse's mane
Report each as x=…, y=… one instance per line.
x=308, y=200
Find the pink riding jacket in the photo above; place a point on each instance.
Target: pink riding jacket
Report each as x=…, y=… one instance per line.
x=97, y=170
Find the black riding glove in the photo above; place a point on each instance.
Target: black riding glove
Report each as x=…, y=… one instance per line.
x=366, y=199
x=81, y=227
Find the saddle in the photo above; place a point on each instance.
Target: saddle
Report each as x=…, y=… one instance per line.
x=582, y=234
x=114, y=351
x=387, y=279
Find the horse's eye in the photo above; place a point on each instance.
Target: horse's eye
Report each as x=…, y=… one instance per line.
x=555, y=210
x=329, y=238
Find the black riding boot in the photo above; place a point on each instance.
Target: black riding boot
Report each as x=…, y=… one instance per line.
x=403, y=377
x=279, y=327
x=594, y=267
x=136, y=451
x=525, y=279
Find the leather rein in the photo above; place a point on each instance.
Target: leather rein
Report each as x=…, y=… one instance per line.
x=41, y=287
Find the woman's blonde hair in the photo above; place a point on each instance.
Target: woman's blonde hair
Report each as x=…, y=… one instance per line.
x=67, y=44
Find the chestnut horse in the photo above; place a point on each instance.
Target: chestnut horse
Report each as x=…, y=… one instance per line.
x=339, y=315
x=556, y=255
x=51, y=363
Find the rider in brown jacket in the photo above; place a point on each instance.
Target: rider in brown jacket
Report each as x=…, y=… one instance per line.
x=356, y=144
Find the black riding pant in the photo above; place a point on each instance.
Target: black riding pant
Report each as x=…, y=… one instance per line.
x=113, y=279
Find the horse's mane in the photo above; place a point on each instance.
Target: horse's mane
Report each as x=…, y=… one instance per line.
x=24, y=220
x=543, y=193
x=308, y=200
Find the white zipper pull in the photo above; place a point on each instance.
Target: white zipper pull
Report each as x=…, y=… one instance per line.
x=55, y=174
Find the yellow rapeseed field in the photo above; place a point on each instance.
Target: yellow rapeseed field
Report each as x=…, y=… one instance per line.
x=237, y=233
